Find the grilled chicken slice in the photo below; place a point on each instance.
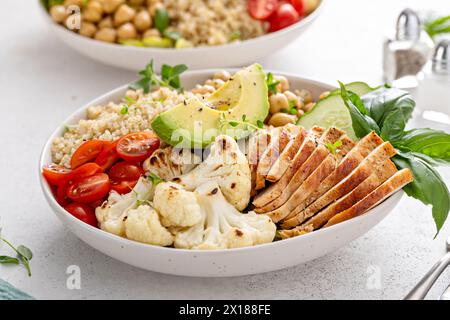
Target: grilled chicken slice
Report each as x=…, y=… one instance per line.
x=307, y=187
x=353, y=158
x=275, y=190
x=298, y=231
x=394, y=183
x=373, y=181
x=279, y=140
x=375, y=159
x=257, y=145
x=286, y=157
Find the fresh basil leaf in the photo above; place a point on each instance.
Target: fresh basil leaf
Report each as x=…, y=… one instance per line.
x=362, y=123
x=394, y=126
x=432, y=143
x=8, y=260
x=162, y=20
x=427, y=186
x=383, y=101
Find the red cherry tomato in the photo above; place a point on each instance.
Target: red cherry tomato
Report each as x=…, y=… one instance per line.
x=82, y=212
x=128, y=171
x=89, y=189
x=123, y=187
x=262, y=9
x=283, y=17
x=108, y=156
x=137, y=146
x=55, y=174
x=299, y=6
x=85, y=170
x=87, y=152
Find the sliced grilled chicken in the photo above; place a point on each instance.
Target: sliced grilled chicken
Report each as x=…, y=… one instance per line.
x=279, y=140
x=375, y=159
x=331, y=135
x=281, y=164
x=298, y=231
x=307, y=187
x=257, y=145
x=353, y=158
x=394, y=183
x=373, y=181
x=275, y=190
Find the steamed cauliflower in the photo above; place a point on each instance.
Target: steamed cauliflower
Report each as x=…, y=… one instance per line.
x=177, y=207
x=222, y=226
x=142, y=224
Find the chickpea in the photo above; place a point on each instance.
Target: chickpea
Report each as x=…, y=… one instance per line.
x=126, y=31
x=283, y=85
x=293, y=97
x=222, y=75
x=106, y=35
x=106, y=22
x=151, y=33
x=109, y=6
x=308, y=107
x=78, y=3
x=93, y=12
x=203, y=89
x=58, y=13
x=278, y=102
x=142, y=20
x=306, y=95
x=280, y=119
x=88, y=29
x=124, y=14
x=217, y=83
x=324, y=94
x=153, y=6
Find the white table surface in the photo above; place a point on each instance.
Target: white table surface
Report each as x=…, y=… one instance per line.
x=43, y=81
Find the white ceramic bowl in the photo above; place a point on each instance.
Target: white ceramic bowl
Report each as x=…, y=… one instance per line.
x=219, y=263
x=134, y=58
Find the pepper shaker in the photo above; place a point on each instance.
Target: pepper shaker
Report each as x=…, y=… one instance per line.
x=407, y=53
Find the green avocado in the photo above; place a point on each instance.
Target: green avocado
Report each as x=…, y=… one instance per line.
x=197, y=122
x=332, y=112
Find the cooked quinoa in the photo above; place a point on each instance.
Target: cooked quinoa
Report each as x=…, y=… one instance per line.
x=212, y=22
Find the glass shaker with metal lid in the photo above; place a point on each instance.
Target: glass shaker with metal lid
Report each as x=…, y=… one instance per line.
x=407, y=53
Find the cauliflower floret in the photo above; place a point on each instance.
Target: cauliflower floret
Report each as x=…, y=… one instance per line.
x=222, y=226
x=177, y=207
x=112, y=212
x=228, y=167
x=142, y=224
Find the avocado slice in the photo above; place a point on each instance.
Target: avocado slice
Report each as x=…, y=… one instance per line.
x=196, y=122
x=332, y=112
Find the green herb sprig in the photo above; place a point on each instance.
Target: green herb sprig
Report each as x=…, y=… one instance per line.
x=154, y=178
x=334, y=147
x=386, y=111
x=223, y=122
x=438, y=26
x=170, y=77
x=24, y=256
x=271, y=83
x=292, y=109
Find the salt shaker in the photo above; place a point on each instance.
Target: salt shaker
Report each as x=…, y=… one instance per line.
x=407, y=53
x=433, y=93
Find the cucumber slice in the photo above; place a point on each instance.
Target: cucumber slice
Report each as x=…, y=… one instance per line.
x=332, y=112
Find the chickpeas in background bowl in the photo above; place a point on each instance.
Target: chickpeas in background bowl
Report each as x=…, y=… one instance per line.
x=128, y=33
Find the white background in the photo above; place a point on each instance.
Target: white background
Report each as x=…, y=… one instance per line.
x=42, y=81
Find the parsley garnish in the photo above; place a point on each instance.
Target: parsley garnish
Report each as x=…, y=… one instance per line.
x=271, y=83
x=170, y=77
x=333, y=147
x=292, y=109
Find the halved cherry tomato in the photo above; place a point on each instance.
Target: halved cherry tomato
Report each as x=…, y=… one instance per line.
x=85, y=170
x=82, y=212
x=299, y=5
x=87, y=152
x=128, y=171
x=55, y=173
x=89, y=189
x=284, y=16
x=108, y=156
x=137, y=146
x=124, y=186
x=262, y=9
